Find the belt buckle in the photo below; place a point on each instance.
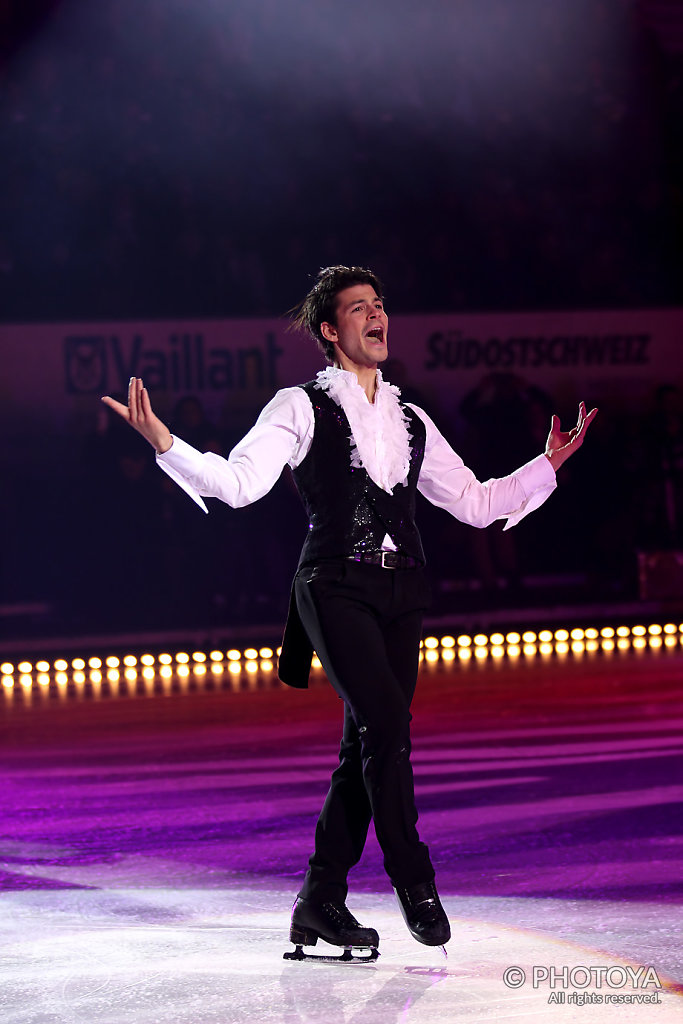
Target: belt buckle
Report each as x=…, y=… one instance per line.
x=382, y=563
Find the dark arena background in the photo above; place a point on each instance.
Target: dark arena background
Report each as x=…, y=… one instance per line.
x=173, y=174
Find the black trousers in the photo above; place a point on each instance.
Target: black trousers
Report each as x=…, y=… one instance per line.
x=365, y=623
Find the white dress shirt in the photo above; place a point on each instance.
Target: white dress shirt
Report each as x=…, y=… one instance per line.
x=283, y=433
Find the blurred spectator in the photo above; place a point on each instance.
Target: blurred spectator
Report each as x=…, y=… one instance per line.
x=504, y=413
x=664, y=439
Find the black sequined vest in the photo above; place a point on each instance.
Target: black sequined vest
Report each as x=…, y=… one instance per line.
x=347, y=512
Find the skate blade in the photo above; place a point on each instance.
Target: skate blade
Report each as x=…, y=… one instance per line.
x=347, y=957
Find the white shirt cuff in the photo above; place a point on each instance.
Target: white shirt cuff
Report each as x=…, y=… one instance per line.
x=539, y=480
x=180, y=461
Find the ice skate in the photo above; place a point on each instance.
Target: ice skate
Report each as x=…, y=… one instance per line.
x=335, y=924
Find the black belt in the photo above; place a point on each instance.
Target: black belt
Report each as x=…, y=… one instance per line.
x=387, y=559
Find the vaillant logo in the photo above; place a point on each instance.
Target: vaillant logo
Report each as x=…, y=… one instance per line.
x=104, y=363
x=85, y=364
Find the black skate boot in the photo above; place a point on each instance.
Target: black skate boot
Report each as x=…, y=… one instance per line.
x=333, y=923
x=424, y=915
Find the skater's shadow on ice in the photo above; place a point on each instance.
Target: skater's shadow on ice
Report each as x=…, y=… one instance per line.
x=339, y=999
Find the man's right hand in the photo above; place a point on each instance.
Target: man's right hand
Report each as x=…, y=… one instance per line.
x=139, y=414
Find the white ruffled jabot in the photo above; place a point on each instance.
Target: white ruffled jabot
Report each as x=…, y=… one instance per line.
x=381, y=448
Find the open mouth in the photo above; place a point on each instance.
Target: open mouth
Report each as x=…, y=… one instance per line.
x=376, y=333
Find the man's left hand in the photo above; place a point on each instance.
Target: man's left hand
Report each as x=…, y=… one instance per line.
x=561, y=444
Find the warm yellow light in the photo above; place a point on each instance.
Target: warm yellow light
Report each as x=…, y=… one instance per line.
x=279, y=649
x=448, y=654
x=166, y=672
x=513, y=638
x=199, y=669
x=24, y=667
x=497, y=651
x=639, y=642
x=654, y=629
x=316, y=662
x=131, y=674
x=592, y=646
x=545, y=636
x=61, y=665
x=481, y=653
x=530, y=650
x=654, y=641
x=448, y=641
x=94, y=663
x=514, y=650
x=8, y=682
x=182, y=658
x=670, y=641
x=7, y=668
x=481, y=640
x=578, y=647
x=464, y=653
x=592, y=633
x=562, y=648
x=43, y=679
x=577, y=634
x=183, y=670
x=79, y=678
x=431, y=655
x=623, y=631
x=464, y=641
x=251, y=653
x=95, y=676
x=78, y=664
x=546, y=648
x=130, y=660
x=623, y=643
x=113, y=675
x=562, y=635
x=251, y=666
x=234, y=655
x=112, y=661
x=147, y=659
x=266, y=665
x=669, y=627
x=431, y=642
x=234, y=667
x=26, y=680
x=639, y=630
x=165, y=659
x=607, y=644
x=607, y=632
x=266, y=652
x=148, y=672
x=217, y=667
x=496, y=639
x=216, y=656
x=199, y=656
x=529, y=637
x=43, y=666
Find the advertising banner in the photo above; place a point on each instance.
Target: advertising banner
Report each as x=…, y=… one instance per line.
x=54, y=374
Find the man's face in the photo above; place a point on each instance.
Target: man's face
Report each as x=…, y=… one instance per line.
x=360, y=333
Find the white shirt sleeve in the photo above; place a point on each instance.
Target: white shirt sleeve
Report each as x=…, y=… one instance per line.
x=447, y=482
x=281, y=436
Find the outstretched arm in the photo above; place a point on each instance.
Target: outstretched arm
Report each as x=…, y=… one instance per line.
x=139, y=414
x=561, y=444
x=446, y=481
x=281, y=435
